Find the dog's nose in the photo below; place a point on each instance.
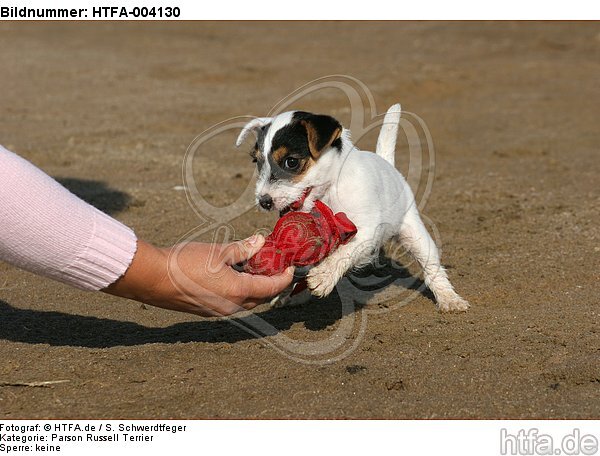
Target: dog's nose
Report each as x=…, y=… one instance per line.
x=266, y=202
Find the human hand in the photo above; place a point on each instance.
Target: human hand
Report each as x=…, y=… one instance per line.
x=198, y=278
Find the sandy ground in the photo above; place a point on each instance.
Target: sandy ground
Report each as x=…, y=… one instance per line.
x=513, y=108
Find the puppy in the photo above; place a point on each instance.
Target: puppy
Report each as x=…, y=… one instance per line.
x=302, y=157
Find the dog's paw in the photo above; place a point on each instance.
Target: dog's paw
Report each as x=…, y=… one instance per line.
x=281, y=300
x=453, y=303
x=287, y=299
x=284, y=301
x=320, y=282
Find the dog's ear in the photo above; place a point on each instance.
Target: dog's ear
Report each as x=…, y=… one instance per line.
x=253, y=125
x=323, y=132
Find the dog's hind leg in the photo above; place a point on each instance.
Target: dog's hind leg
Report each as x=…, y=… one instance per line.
x=416, y=239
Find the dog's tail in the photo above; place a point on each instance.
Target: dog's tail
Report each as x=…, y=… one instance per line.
x=386, y=143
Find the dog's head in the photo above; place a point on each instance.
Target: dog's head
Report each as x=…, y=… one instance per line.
x=293, y=153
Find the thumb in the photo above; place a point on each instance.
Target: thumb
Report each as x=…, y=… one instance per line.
x=239, y=251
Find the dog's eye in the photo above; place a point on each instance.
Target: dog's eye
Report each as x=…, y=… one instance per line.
x=291, y=163
x=254, y=160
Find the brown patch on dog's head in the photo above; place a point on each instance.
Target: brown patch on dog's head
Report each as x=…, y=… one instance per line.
x=296, y=147
x=305, y=165
x=279, y=154
x=291, y=164
x=254, y=153
x=322, y=132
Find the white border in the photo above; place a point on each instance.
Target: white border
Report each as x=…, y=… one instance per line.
x=349, y=9
x=303, y=438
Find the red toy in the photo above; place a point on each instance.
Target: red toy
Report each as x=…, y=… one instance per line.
x=302, y=239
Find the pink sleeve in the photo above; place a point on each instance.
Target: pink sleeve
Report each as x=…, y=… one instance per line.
x=47, y=230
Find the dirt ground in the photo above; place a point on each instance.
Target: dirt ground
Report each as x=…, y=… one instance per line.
x=110, y=108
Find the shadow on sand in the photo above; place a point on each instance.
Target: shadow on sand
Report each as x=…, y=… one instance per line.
x=97, y=193
x=61, y=329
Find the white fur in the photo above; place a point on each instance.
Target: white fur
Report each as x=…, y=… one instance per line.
x=386, y=143
x=251, y=126
x=277, y=123
x=375, y=196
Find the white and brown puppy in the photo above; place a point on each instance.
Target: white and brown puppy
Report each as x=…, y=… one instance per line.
x=302, y=157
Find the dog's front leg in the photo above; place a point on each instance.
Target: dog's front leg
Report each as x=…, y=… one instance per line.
x=283, y=299
x=286, y=299
x=322, y=278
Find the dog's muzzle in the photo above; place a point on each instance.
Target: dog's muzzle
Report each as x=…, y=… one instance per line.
x=266, y=202
x=296, y=205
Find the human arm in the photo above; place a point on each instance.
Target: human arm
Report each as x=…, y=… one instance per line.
x=198, y=278
x=47, y=230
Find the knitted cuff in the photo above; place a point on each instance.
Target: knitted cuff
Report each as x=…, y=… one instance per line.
x=106, y=257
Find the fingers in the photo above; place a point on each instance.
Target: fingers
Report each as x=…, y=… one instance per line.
x=239, y=251
x=221, y=307
x=262, y=287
